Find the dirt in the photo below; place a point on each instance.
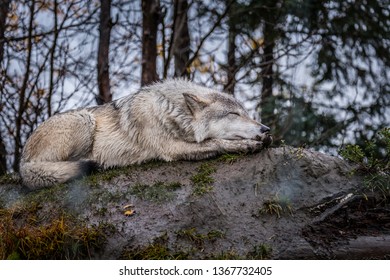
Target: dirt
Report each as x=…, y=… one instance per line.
x=281, y=203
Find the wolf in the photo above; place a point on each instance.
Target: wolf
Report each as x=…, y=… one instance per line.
x=171, y=120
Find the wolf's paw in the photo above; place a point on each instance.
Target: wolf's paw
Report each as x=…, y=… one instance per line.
x=240, y=146
x=266, y=139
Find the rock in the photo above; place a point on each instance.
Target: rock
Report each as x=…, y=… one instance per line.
x=281, y=203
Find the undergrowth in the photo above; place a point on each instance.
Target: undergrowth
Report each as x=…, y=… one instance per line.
x=23, y=235
x=372, y=161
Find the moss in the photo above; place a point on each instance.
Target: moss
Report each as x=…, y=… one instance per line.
x=158, y=192
x=10, y=179
x=199, y=239
x=105, y=176
x=151, y=164
x=157, y=250
x=202, y=180
x=229, y=255
x=229, y=158
x=52, y=194
x=260, y=252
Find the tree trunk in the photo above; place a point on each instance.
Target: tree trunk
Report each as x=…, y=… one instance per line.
x=4, y=8
x=3, y=159
x=181, y=40
x=103, y=76
x=150, y=20
x=231, y=56
x=267, y=103
x=52, y=59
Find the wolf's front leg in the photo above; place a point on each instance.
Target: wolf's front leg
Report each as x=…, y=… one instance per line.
x=210, y=148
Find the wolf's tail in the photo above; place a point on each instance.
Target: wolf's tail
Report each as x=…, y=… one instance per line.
x=36, y=175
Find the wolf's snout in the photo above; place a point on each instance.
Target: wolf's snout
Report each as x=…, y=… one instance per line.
x=264, y=129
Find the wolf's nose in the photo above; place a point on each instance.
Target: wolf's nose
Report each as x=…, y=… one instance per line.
x=264, y=129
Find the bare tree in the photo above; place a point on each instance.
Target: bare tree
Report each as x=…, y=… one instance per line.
x=150, y=21
x=103, y=75
x=23, y=91
x=50, y=71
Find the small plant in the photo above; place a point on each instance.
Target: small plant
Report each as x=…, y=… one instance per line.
x=12, y=179
x=373, y=161
x=271, y=207
x=276, y=206
x=260, y=252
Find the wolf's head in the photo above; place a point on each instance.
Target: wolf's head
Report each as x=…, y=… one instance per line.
x=219, y=116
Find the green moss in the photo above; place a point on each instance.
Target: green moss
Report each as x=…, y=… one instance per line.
x=10, y=179
x=151, y=164
x=229, y=255
x=229, y=158
x=158, y=250
x=154, y=252
x=260, y=252
x=158, y=192
x=105, y=176
x=53, y=194
x=198, y=239
x=202, y=180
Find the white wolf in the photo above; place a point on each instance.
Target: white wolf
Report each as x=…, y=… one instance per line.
x=171, y=120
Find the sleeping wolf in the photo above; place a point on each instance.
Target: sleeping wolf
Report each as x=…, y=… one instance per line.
x=171, y=120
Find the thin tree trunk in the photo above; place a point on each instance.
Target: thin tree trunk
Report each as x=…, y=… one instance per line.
x=267, y=103
x=181, y=40
x=231, y=56
x=150, y=20
x=103, y=76
x=4, y=8
x=52, y=59
x=3, y=158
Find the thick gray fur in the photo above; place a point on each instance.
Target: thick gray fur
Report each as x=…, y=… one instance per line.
x=170, y=120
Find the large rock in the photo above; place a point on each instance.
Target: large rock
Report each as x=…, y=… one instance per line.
x=281, y=203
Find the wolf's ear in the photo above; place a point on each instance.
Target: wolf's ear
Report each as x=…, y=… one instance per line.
x=195, y=103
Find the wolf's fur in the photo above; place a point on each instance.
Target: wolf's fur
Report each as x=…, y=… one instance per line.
x=172, y=120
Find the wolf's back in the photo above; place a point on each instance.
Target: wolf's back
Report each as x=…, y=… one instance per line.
x=37, y=175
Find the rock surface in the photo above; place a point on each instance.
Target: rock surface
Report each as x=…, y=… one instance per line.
x=281, y=203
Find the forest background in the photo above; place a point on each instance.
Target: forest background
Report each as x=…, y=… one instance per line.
x=315, y=71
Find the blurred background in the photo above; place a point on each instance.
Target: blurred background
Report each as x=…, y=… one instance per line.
x=315, y=71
